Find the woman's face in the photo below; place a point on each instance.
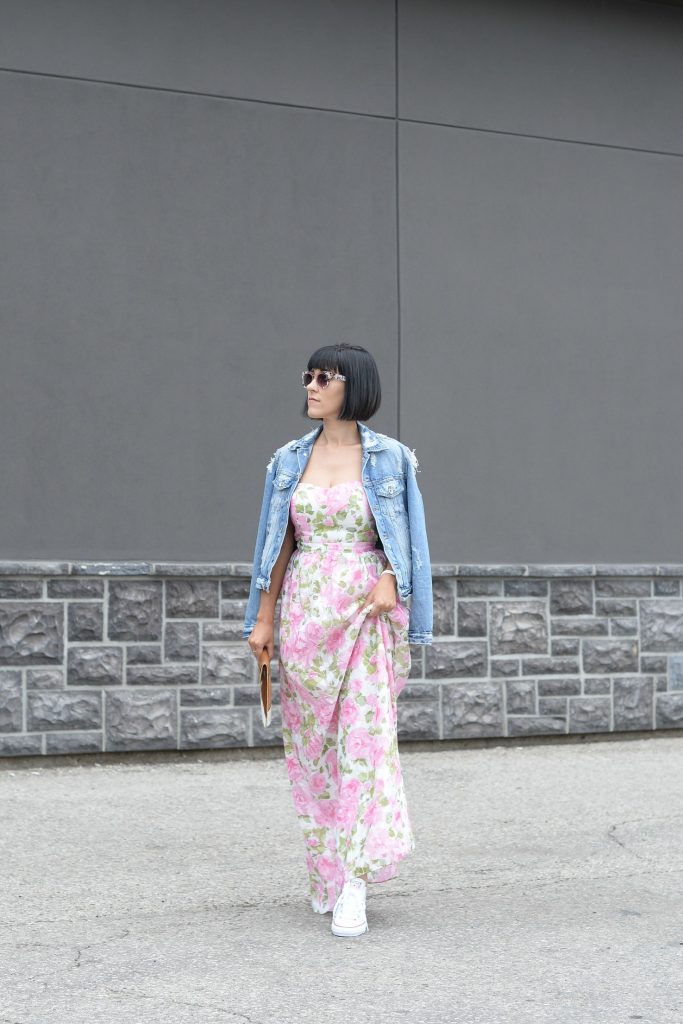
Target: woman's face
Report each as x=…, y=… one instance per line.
x=325, y=403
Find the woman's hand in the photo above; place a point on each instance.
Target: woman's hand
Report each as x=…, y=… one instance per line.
x=383, y=595
x=262, y=635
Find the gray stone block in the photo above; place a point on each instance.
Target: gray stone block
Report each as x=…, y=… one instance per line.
x=63, y=709
x=94, y=665
x=500, y=569
x=419, y=691
x=623, y=587
x=579, y=627
x=666, y=588
x=73, y=589
x=520, y=697
x=33, y=567
x=192, y=599
x=31, y=634
x=20, y=590
x=562, y=686
x=417, y=661
x=143, y=654
x=140, y=719
x=204, y=696
x=181, y=641
x=112, y=569
x=571, y=597
x=222, y=630
x=605, y=657
x=621, y=608
x=520, y=626
x=504, y=667
x=525, y=588
x=74, y=743
x=21, y=746
x=200, y=570
x=563, y=647
x=669, y=711
x=652, y=663
x=559, y=569
x=214, y=727
x=10, y=700
x=85, y=620
x=135, y=609
x=479, y=587
x=446, y=569
x=233, y=609
x=536, y=725
x=45, y=679
x=675, y=673
x=228, y=663
x=633, y=699
x=472, y=618
x=443, y=595
x=549, y=666
x=418, y=720
x=235, y=587
x=589, y=714
x=162, y=675
x=593, y=685
x=472, y=709
x=451, y=659
x=624, y=627
x=661, y=624
x=556, y=707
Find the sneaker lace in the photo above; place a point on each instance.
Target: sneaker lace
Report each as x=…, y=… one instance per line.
x=353, y=893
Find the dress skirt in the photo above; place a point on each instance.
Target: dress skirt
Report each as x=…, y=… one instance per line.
x=341, y=672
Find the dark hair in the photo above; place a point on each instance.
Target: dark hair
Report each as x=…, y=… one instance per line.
x=363, y=392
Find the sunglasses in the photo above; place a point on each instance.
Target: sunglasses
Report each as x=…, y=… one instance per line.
x=322, y=379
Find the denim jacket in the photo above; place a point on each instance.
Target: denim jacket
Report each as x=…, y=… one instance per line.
x=388, y=476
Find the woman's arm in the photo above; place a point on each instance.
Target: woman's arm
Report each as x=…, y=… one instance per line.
x=266, y=613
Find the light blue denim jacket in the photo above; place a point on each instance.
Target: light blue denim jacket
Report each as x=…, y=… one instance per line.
x=388, y=476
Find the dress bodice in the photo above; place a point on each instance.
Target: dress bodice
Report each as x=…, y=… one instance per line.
x=333, y=517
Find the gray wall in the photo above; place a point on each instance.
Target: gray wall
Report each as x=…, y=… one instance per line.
x=196, y=195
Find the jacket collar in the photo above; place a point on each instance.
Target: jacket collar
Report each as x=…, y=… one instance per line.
x=370, y=439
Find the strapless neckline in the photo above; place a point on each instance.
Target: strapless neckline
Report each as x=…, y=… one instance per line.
x=329, y=487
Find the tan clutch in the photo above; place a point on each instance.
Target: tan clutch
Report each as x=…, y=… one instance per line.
x=265, y=685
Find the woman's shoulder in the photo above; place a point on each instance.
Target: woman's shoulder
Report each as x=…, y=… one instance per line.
x=408, y=454
x=284, y=448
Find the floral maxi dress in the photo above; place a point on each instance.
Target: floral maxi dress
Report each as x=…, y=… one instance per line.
x=341, y=672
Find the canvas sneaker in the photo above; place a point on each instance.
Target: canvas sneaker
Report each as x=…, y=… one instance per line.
x=348, y=916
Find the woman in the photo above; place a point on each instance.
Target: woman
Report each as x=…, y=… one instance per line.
x=342, y=535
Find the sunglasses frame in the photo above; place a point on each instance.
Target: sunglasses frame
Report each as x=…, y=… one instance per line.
x=327, y=374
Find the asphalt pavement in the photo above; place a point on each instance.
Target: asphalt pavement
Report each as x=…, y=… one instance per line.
x=546, y=886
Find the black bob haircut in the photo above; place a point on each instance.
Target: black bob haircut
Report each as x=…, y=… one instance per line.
x=363, y=392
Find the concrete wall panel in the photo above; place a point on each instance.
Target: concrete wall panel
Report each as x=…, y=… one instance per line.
x=608, y=72
x=168, y=264
x=331, y=55
x=541, y=373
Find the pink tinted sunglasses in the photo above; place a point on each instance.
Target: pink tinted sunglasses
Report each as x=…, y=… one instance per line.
x=322, y=379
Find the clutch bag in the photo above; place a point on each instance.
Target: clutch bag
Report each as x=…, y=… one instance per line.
x=265, y=685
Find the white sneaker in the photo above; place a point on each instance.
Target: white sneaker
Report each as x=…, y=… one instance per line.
x=348, y=916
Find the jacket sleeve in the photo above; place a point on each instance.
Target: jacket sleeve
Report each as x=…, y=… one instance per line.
x=254, y=600
x=422, y=603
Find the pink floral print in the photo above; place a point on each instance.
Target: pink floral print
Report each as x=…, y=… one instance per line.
x=341, y=672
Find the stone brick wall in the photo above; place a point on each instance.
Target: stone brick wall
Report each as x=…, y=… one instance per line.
x=142, y=656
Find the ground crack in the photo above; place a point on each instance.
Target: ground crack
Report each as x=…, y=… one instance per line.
x=183, y=1002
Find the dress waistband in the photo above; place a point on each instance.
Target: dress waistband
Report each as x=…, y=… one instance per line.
x=337, y=545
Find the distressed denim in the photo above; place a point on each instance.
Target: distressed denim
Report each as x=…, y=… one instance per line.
x=389, y=477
